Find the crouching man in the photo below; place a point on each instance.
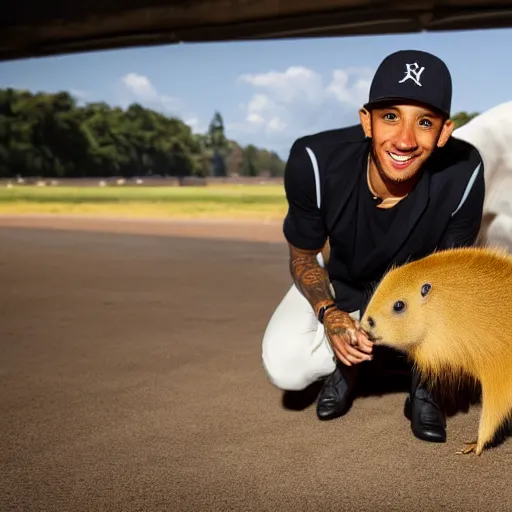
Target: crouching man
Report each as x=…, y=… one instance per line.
x=393, y=188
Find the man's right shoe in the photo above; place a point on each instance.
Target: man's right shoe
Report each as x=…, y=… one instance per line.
x=336, y=395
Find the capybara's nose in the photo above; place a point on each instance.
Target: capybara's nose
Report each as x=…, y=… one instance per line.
x=371, y=322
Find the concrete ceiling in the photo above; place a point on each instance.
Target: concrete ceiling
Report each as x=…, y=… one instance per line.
x=31, y=28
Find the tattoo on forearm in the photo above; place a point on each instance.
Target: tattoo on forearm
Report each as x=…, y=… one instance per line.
x=310, y=278
x=313, y=281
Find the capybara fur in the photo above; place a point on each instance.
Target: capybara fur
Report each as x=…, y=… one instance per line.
x=451, y=313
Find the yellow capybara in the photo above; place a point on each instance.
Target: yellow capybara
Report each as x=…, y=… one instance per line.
x=451, y=312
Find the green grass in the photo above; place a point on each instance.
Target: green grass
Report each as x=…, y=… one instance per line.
x=226, y=201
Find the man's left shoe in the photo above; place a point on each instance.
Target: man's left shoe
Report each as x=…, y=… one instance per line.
x=428, y=421
x=336, y=395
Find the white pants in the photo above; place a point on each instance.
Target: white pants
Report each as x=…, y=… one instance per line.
x=295, y=349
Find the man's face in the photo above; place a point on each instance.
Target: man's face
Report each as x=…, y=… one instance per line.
x=404, y=137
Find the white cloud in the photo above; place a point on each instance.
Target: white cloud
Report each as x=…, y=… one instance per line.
x=295, y=84
x=291, y=103
x=346, y=92
x=79, y=94
x=192, y=121
x=140, y=89
x=276, y=124
x=195, y=123
x=140, y=86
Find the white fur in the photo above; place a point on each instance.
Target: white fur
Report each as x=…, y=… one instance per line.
x=491, y=134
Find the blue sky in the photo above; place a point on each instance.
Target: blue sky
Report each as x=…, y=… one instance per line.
x=269, y=92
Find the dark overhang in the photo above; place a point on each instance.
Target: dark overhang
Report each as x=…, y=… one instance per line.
x=30, y=28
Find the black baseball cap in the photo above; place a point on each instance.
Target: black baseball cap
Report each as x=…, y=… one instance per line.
x=412, y=75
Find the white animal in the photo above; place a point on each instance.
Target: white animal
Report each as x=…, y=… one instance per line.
x=491, y=133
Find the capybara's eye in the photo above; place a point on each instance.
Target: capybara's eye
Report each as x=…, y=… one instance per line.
x=398, y=306
x=425, y=289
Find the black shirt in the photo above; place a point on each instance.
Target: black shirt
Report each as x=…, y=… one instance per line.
x=373, y=223
x=328, y=197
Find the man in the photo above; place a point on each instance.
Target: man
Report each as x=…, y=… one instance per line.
x=392, y=189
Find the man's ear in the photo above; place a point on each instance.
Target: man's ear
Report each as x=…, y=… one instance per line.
x=365, y=117
x=446, y=132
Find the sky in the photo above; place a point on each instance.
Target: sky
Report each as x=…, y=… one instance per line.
x=268, y=92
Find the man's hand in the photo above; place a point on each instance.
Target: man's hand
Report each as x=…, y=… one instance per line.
x=350, y=345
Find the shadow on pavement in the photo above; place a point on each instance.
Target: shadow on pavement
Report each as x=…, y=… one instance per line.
x=389, y=373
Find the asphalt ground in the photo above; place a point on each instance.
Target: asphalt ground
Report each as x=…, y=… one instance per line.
x=131, y=380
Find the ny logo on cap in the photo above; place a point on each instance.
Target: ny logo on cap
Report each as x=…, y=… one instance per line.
x=412, y=72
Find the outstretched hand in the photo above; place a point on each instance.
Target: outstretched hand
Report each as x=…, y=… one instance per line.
x=350, y=345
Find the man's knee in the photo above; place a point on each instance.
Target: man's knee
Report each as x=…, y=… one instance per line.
x=294, y=349
x=285, y=375
x=294, y=360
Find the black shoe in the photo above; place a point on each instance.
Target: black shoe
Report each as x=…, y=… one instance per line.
x=428, y=422
x=336, y=396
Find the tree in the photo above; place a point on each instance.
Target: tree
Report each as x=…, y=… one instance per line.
x=249, y=161
x=461, y=118
x=218, y=144
x=49, y=135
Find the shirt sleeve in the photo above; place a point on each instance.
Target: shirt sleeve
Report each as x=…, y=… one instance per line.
x=303, y=225
x=463, y=229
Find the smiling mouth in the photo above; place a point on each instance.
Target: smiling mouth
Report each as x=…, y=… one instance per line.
x=400, y=158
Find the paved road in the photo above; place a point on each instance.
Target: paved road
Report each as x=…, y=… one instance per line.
x=131, y=381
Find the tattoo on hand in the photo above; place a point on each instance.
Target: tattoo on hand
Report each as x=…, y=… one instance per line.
x=337, y=330
x=337, y=322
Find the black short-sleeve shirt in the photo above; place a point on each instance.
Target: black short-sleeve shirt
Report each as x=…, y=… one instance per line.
x=328, y=198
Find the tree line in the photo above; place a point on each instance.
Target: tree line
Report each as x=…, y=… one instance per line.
x=49, y=135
